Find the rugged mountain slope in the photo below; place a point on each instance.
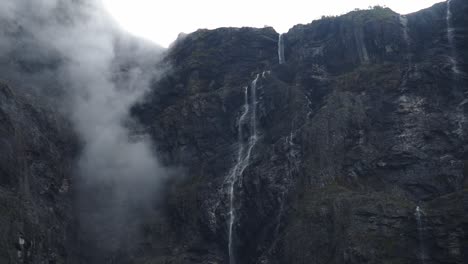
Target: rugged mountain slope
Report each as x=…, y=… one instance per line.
x=363, y=123
x=37, y=150
x=352, y=151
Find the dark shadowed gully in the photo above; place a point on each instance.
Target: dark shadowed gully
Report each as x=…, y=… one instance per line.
x=342, y=141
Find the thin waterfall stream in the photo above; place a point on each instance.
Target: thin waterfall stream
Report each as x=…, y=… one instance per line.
x=281, y=57
x=451, y=39
x=406, y=38
x=422, y=255
x=247, y=118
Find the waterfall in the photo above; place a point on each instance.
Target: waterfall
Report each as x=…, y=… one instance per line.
x=404, y=24
x=451, y=39
x=406, y=38
x=361, y=46
x=420, y=226
x=461, y=117
x=247, y=118
x=292, y=156
x=281, y=58
x=293, y=168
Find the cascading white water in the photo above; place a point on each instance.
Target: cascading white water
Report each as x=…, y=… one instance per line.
x=406, y=38
x=361, y=46
x=404, y=24
x=249, y=114
x=281, y=58
x=451, y=39
x=292, y=157
x=422, y=248
x=461, y=117
x=232, y=178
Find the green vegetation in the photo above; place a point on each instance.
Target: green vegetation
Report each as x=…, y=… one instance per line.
x=362, y=16
x=373, y=13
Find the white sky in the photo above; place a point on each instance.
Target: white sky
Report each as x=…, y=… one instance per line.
x=161, y=21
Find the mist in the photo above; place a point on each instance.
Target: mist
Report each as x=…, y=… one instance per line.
x=102, y=74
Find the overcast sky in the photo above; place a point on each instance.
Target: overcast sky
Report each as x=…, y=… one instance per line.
x=162, y=21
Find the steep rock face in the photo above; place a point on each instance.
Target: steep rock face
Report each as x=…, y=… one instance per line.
x=195, y=124
x=339, y=226
x=413, y=100
x=37, y=150
x=363, y=123
x=359, y=154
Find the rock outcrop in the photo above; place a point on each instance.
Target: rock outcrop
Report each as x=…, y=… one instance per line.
x=360, y=158
x=363, y=123
x=37, y=150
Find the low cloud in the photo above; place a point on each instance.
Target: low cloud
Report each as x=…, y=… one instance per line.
x=102, y=73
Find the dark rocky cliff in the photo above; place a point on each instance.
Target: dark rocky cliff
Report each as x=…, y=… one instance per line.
x=363, y=124
x=37, y=150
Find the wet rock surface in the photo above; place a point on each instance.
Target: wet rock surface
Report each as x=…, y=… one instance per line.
x=37, y=151
x=363, y=123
